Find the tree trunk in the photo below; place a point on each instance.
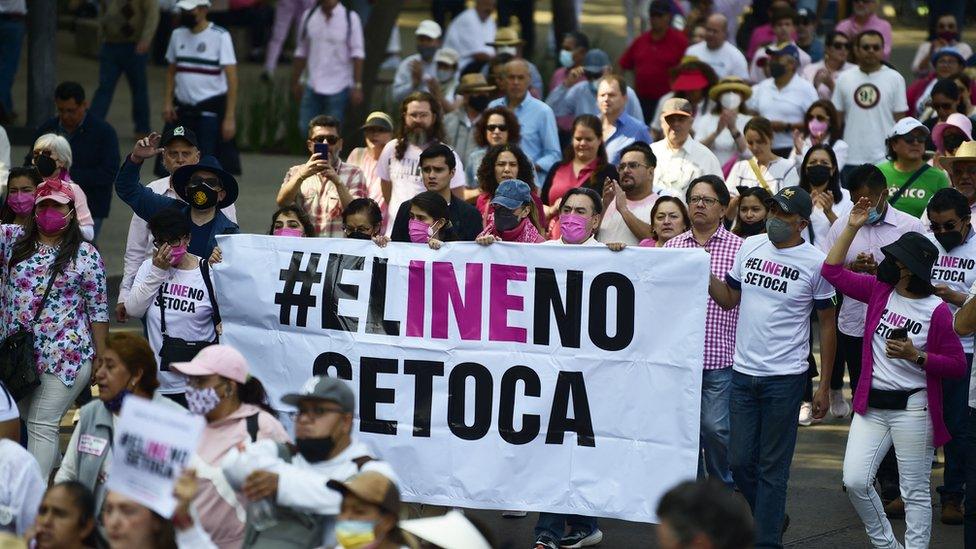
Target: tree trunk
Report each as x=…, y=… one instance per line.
x=42, y=28
x=376, y=32
x=563, y=18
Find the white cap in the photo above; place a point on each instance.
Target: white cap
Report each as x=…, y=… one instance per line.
x=192, y=4
x=906, y=126
x=450, y=531
x=447, y=56
x=429, y=28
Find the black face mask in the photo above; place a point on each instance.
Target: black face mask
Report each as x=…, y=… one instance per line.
x=919, y=286
x=315, y=450
x=777, y=70
x=817, y=175
x=888, y=272
x=952, y=141
x=359, y=235
x=949, y=239
x=752, y=229
x=505, y=219
x=201, y=197
x=188, y=19
x=479, y=102
x=46, y=166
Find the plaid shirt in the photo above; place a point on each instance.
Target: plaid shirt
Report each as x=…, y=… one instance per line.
x=719, y=323
x=321, y=199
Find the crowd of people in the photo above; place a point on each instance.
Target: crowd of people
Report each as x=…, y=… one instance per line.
x=834, y=199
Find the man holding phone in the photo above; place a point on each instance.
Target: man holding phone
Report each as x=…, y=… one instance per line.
x=324, y=185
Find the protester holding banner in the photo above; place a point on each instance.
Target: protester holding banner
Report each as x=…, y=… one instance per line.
x=66, y=518
x=776, y=282
x=709, y=199
x=69, y=323
x=438, y=164
x=295, y=477
x=128, y=368
x=291, y=220
x=362, y=219
x=909, y=348
x=501, y=162
x=370, y=512
x=237, y=411
x=512, y=207
x=174, y=293
x=669, y=218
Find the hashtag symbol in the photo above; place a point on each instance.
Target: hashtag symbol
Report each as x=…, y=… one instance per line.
x=304, y=299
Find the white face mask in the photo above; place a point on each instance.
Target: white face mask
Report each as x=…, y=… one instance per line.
x=512, y=50
x=730, y=100
x=443, y=75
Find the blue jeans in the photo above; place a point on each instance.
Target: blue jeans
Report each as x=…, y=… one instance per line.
x=970, y=465
x=314, y=104
x=11, y=40
x=716, y=388
x=763, y=437
x=955, y=408
x=553, y=525
x=114, y=60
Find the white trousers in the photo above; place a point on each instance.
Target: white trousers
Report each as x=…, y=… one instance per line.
x=871, y=436
x=43, y=409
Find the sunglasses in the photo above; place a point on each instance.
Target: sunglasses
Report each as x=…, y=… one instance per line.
x=330, y=139
x=948, y=226
x=910, y=139
x=840, y=45
x=871, y=47
x=211, y=182
x=497, y=127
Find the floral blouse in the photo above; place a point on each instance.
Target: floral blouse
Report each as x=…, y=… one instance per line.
x=62, y=334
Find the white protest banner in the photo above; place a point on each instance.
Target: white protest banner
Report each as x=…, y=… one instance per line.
x=539, y=377
x=153, y=443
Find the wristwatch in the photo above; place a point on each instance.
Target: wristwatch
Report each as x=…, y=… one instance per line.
x=920, y=359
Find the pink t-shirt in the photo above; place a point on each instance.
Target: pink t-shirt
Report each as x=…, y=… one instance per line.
x=852, y=28
x=330, y=46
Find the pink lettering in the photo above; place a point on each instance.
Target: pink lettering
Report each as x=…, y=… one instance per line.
x=415, y=299
x=501, y=302
x=444, y=290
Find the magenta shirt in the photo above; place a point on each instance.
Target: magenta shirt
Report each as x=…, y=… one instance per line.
x=944, y=354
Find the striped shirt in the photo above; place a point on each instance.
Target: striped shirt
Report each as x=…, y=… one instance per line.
x=719, y=324
x=200, y=60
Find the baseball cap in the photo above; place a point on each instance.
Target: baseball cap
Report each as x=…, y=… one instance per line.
x=948, y=50
x=324, y=388
x=512, y=194
x=429, y=29
x=191, y=4
x=595, y=61
x=223, y=360
x=785, y=48
x=179, y=132
x=906, y=126
x=677, y=105
x=379, y=120
x=371, y=487
x=793, y=200
x=448, y=56
x=56, y=191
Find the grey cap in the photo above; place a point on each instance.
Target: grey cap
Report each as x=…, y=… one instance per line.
x=595, y=61
x=324, y=388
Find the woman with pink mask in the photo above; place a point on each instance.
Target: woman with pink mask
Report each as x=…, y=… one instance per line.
x=18, y=203
x=291, y=220
x=173, y=292
x=51, y=155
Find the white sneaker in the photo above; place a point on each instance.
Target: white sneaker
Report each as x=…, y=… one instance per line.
x=839, y=407
x=806, y=414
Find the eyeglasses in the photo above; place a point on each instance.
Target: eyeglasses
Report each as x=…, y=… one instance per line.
x=316, y=412
x=706, y=200
x=912, y=139
x=943, y=106
x=630, y=166
x=870, y=47
x=330, y=139
x=840, y=45
x=497, y=127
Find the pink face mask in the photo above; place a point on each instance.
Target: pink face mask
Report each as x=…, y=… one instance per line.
x=288, y=231
x=420, y=232
x=177, y=254
x=817, y=127
x=21, y=203
x=574, y=228
x=51, y=221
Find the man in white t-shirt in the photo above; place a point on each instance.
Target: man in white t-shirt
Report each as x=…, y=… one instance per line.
x=398, y=167
x=716, y=50
x=952, y=275
x=870, y=99
x=776, y=283
x=680, y=158
x=201, y=83
x=469, y=33
x=629, y=202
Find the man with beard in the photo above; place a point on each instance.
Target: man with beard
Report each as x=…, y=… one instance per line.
x=628, y=203
x=324, y=450
x=179, y=149
x=398, y=168
x=415, y=70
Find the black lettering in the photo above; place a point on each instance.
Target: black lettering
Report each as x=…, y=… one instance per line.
x=506, y=411
x=376, y=309
x=370, y=395
x=482, y=401
x=598, y=311
x=332, y=360
x=423, y=391
x=335, y=290
x=569, y=318
x=570, y=383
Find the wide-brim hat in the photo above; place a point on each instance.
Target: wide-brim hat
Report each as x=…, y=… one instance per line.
x=506, y=36
x=915, y=252
x=733, y=84
x=182, y=175
x=474, y=83
x=378, y=120
x=966, y=153
x=955, y=120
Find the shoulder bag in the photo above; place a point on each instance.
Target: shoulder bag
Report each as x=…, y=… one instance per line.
x=18, y=368
x=175, y=349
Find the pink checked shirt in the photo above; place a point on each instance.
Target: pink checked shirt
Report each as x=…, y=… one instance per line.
x=719, y=323
x=330, y=45
x=321, y=199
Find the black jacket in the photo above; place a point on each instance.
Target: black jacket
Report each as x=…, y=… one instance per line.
x=465, y=219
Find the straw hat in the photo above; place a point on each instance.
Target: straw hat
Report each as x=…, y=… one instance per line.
x=730, y=83
x=966, y=153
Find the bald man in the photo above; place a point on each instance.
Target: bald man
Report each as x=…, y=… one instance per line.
x=716, y=50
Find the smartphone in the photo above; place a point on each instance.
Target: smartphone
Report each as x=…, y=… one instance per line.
x=322, y=149
x=899, y=333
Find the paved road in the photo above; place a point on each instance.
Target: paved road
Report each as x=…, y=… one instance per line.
x=821, y=514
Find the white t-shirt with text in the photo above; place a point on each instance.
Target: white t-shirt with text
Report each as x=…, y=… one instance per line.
x=957, y=270
x=899, y=374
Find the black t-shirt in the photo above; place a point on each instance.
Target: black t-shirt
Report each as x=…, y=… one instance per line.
x=200, y=239
x=465, y=219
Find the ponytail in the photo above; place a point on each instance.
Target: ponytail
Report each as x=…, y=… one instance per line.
x=252, y=392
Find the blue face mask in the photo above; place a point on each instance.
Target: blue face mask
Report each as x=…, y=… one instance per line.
x=114, y=405
x=566, y=58
x=875, y=214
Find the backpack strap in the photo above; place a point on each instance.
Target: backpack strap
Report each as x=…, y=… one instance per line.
x=252, y=426
x=162, y=311
x=901, y=190
x=215, y=314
